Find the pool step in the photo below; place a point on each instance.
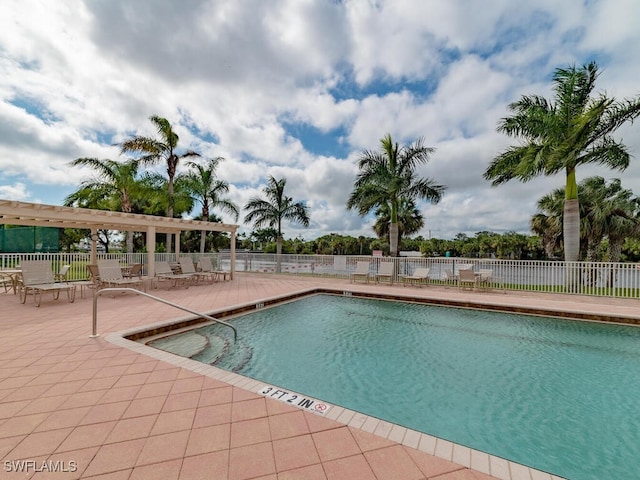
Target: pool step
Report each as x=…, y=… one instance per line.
x=187, y=344
x=236, y=358
x=210, y=345
x=223, y=352
x=217, y=348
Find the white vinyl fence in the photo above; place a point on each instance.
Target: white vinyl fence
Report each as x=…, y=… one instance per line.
x=583, y=278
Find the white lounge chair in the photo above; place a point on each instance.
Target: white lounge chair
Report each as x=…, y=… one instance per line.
x=207, y=266
x=488, y=281
x=450, y=277
x=37, y=278
x=163, y=272
x=361, y=272
x=61, y=276
x=385, y=272
x=420, y=276
x=187, y=267
x=110, y=274
x=132, y=271
x=467, y=278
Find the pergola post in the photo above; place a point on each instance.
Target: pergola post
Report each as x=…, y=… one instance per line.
x=177, y=243
x=151, y=251
x=94, y=246
x=232, y=267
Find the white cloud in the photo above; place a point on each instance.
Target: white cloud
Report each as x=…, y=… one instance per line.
x=242, y=80
x=17, y=191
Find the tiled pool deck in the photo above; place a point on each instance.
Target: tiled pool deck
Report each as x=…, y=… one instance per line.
x=98, y=409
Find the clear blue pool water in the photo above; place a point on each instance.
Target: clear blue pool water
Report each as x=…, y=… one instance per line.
x=557, y=395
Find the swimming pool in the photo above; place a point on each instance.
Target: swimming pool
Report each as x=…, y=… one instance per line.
x=556, y=395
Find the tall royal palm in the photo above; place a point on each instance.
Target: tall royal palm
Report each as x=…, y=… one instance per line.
x=115, y=186
x=276, y=208
x=157, y=150
x=573, y=129
x=207, y=189
x=388, y=176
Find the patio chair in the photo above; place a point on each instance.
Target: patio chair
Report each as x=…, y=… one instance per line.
x=134, y=271
x=467, y=279
x=449, y=277
x=164, y=272
x=207, y=266
x=11, y=278
x=38, y=278
x=488, y=281
x=385, y=272
x=94, y=275
x=61, y=276
x=361, y=272
x=187, y=267
x=92, y=282
x=420, y=277
x=6, y=282
x=110, y=274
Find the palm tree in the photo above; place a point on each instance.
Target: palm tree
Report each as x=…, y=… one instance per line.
x=157, y=150
x=606, y=211
x=410, y=220
x=207, y=189
x=611, y=212
x=573, y=130
x=156, y=201
x=624, y=227
x=388, y=176
x=547, y=222
x=276, y=208
x=115, y=187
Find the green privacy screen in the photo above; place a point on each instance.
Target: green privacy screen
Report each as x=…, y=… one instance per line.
x=29, y=239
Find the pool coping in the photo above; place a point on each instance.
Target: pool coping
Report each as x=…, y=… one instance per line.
x=475, y=459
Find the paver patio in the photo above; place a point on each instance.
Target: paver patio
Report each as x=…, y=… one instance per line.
x=102, y=411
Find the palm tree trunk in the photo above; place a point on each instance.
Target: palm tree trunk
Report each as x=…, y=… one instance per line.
x=393, y=239
x=615, y=252
x=203, y=238
x=278, y=254
x=126, y=207
x=615, y=248
x=170, y=207
x=571, y=218
x=571, y=233
x=205, y=217
x=129, y=242
x=571, y=230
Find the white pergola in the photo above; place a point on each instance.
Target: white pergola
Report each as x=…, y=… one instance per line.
x=34, y=214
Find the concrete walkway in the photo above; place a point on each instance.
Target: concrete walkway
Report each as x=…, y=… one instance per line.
x=89, y=408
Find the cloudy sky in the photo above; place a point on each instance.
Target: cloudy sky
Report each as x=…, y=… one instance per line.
x=298, y=88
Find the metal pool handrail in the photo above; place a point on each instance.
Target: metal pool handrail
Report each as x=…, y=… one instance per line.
x=153, y=297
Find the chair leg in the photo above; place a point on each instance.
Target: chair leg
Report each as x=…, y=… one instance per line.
x=23, y=291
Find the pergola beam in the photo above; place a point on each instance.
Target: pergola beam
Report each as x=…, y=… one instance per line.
x=33, y=214
x=39, y=215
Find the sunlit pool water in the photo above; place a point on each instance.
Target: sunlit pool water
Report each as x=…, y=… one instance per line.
x=557, y=395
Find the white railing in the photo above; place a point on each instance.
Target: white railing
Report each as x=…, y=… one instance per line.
x=584, y=278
